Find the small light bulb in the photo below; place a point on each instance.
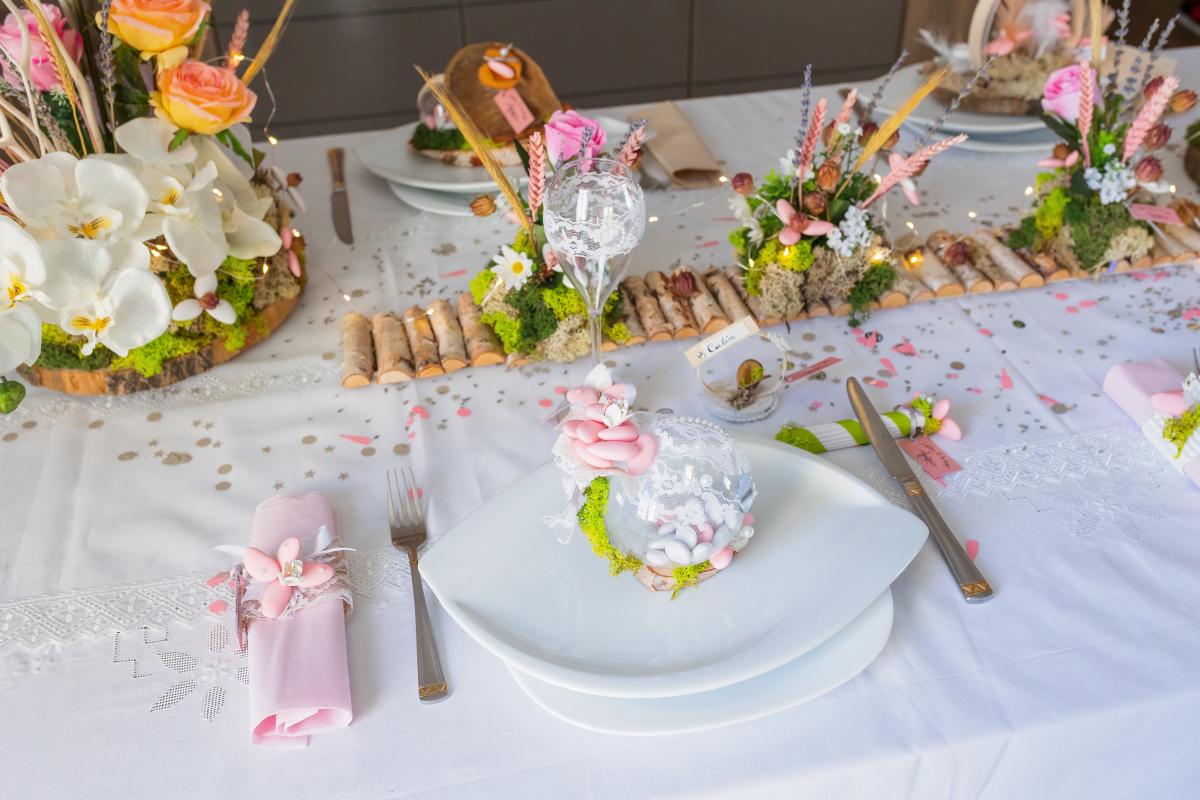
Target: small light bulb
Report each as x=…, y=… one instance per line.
x=878, y=178
x=911, y=227
x=272, y=139
x=722, y=179
x=346, y=297
x=652, y=219
x=1028, y=190
x=218, y=193
x=972, y=214
x=265, y=267
x=1171, y=188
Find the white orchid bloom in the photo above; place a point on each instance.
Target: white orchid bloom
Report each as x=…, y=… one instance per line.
x=148, y=141
x=188, y=217
x=20, y=338
x=242, y=210
x=59, y=195
x=22, y=273
x=232, y=182
x=106, y=293
x=205, y=300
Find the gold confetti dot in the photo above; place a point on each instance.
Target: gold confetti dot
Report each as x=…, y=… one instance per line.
x=310, y=439
x=401, y=449
x=128, y=455
x=443, y=389
x=883, y=373
x=328, y=356
x=96, y=423
x=154, y=416
x=203, y=442
x=223, y=486
x=357, y=293
x=368, y=451
x=174, y=458
x=225, y=469
x=8, y=437
x=29, y=423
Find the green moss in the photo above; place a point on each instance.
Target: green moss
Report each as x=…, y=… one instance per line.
x=754, y=277
x=60, y=350
x=522, y=244
x=688, y=576
x=563, y=301
x=797, y=257
x=925, y=405
x=878, y=278
x=1177, y=430
x=800, y=437
x=1049, y=215
x=1042, y=179
x=481, y=284
x=1093, y=227
x=1024, y=236
x=617, y=331
x=148, y=359
x=591, y=522
x=506, y=328
x=740, y=239
x=425, y=138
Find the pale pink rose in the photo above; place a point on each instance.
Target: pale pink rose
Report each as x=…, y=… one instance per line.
x=1060, y=95
x=564, y=134
x=41, y=63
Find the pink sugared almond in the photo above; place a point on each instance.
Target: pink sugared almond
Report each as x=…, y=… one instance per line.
x=621, y=433
x=614, y=451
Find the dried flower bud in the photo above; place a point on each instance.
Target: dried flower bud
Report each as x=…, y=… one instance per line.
x=1182, y=101
x=956, y=254
x=483, y=205
x=683, y=284
x=828, y=175
x=892, y=141
x=1061, y=151
x=1151, y=87
x=1157, y=137
x=743, y=184
x=868, y=128
x=1148, y=170
x=829, y=134
x=815, y=202
x=294, y=179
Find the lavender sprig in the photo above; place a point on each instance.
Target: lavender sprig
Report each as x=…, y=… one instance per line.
x=1110, y=80
x=1131, y=83
x=878, y=93
x=634, y=127
x=108, y=72
x=1162, y=42
x=936, y=125
x=805, y=108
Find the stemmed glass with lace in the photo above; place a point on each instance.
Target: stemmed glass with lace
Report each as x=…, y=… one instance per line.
x=594, y=216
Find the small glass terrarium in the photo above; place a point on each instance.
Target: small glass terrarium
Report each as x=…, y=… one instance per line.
x=740, y=383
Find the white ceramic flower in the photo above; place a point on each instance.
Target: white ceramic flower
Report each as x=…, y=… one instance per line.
x=513, y=268
x=105, y=292
x=59, y=195
x=187, y=216
x=205, y=300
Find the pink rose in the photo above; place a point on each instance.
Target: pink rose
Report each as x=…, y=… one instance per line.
x=1061, y=93
x=564, y=135
x=41, y=63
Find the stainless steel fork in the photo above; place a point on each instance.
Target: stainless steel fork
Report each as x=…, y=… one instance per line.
x=407, y=521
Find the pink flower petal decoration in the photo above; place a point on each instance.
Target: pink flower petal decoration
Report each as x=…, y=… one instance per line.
x=261, y=566
x=1170, y=403
x=289, y=550
x=817, y=227
x=941, y=408
x=314, y=574
x=789, y=237
x=275, y=599
x=950, y=430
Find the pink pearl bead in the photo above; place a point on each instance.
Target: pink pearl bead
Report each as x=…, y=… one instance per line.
x=722, y=557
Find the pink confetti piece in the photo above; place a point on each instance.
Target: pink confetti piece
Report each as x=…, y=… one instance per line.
x=1072, y=310
x=412, y=435
x=952, y=376
x=725, y=219
x=985, y=331
x=1190, y=314
x=1047, y=399
x=812, y=369
x=974, y=390
x=560, y=390
x=878, y=384
x=815, y=405
x=464, y=412
x=1005, y=381
x=972, y=549
x=1140, y=276
x=218, y=579
x=1060, y=296
x=905, y=348
x=545, y=402
x=421, y=412
x=712, y=243
x=454, y=273
x=350, y=437
x=888, y=365
x=1088, y=304
x=868, y=339
x=218, y=606
x=1159, y=276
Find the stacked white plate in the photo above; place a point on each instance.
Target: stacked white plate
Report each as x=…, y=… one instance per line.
x=429, y=185
x=804, y=608
x=987, y=133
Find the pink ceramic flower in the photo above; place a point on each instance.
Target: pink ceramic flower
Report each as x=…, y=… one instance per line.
x=41, y=63
x=283, y=574
x=949, y=428
x=285, y=235
x=896, y=163
x=1060, y=95
x=1069, y=160
x=796, y=224
x=564, y=136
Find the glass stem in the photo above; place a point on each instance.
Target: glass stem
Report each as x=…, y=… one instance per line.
x=594, y=324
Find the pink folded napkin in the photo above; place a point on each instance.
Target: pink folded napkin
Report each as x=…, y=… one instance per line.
x=299, y=678
x=1151, y=392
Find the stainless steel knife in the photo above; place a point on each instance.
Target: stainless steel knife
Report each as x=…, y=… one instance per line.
x=339, y=201
x=971, y=583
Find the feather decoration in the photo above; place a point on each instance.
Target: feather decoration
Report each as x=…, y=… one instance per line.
x=1096, y=23
x=893, y=123
x=878, y=93
x=1038, y=18
x=808, y=148
x=956, y=55
x=912, y=165
x=237, y=41
x=1148, y=116
x=271, y=42
x=478, y=142
x=631, y=148
x=1087, y=82
x=537, y=171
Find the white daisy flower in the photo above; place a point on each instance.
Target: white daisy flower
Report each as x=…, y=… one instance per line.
x=512, y=267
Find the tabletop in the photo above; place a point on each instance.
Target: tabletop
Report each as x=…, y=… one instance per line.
x=119, y=676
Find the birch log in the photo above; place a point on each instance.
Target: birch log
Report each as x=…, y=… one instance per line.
x=649, y=314
x=1187, y=237
x=985, y=265
x=358, y=358
x=1011, y=265
x=708, y=315
x=391, y=349
x=727, y=296
x=629, y=316
x=972, y=279
x=452, y=349
x=934, y=273
x=738, y=279
x=483, y=348
x=909, y=287
x=423, y=343
x=676, y=313
x=1044, y=263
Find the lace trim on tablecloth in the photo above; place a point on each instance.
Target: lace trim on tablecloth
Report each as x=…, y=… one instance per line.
x=205, y=387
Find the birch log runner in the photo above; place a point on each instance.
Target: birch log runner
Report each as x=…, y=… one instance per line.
x=452, y=350
x=358, y=358
x=911, y=289
x=676, y=313
x=483, y=348
x=391, y=349
x=738, y=279
x=726, y=295
x=933, y=272
x=656, y=327
x=1189, y=238
x=423, y=343
x=982, y=261
x=629, y=316
x=955, y=255
x=1044, y=263
x=708, y=315
x=1007, y=262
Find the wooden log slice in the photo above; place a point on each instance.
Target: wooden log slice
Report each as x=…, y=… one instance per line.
x=1007, y=262
x=972, y=279
x=738, y=278
x=423, y=343
x=934, y=273
x=629, y=316
x=726, y=296
x=648, y=311
x=675, y=312
x=392, y=352
x=705, y=310
x=452, y=348
x=907, y=285
x=483, y=348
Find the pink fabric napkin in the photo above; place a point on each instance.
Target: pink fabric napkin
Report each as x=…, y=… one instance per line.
x=1131, y=385
x=299, y=677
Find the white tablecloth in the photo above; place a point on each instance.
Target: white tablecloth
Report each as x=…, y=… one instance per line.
x=1078, y=679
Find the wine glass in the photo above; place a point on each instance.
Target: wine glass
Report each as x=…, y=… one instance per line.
x=594, y=216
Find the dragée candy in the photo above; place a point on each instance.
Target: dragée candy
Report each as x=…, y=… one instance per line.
x=1165, y=405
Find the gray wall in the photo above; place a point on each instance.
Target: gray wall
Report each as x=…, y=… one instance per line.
x=347, y=64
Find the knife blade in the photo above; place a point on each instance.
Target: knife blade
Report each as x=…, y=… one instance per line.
x=971, y=583
x=339, y=201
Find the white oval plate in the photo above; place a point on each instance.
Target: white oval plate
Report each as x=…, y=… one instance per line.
x=823, y=669
x=908, y=79
x=826, y=547
x=388, y=155
x=1039, y=141
x=450, y=204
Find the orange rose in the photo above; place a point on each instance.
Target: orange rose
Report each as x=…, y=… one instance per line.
x=202, y=98
x=162, y=28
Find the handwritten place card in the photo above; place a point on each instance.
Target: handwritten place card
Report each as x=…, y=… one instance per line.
x=933, y=459
x=727, y=336
x=1148, y=213
x=514, y=109
x=812, y=369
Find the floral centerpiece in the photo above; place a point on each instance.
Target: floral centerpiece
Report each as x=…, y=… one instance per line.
x=1088, y=204
x=142, y=240
x=808, y=233
x=526, y=300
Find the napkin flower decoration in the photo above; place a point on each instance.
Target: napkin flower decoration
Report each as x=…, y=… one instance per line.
x=284, y=572
x=935, y=417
